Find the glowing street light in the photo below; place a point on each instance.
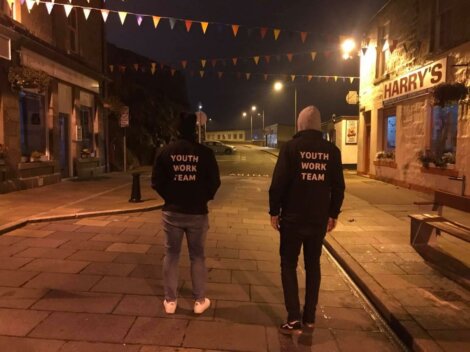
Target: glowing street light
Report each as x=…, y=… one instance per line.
x=278, y=86
x=347, y=46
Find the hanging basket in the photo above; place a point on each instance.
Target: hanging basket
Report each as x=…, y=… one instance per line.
x=21, y=77
x=449, y=93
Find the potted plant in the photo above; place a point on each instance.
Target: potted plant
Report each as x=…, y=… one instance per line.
x=426, y=158
x=25, y=77
x=449, y=93
x=85, y=153
x=36, y=156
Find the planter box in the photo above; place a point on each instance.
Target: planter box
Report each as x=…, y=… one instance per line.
x=386, y=163
x=38, y=168
x=88, y=167
x=440, y=171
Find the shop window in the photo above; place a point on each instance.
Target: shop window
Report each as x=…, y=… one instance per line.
x=86, y=127
x=240, y=136
x=382, y=50
x=390, y=132
x=32, y=123
x=444, y=130
x=72, y=31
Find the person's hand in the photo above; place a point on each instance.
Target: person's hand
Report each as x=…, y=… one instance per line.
x=331, y=224
x=275, y=222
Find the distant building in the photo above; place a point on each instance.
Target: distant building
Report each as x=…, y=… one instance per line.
x=277, y=135
x=51, y=85
x=412, y=52
x=226, y=135
x=342, y=131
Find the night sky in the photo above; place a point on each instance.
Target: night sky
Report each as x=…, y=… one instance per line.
x=224, y=99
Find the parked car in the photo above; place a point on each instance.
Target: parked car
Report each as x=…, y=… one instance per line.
x=219, y=147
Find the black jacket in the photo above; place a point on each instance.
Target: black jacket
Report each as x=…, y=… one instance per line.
x=186, y=175
x=308, y=182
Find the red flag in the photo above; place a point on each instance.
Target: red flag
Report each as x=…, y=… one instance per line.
x=184, y=63
x=234, y=60
x=235, y=29
x=188, y=24
x=289, y=57
x=303, y=36
x=263, y=32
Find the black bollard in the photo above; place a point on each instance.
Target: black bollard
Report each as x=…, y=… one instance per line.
x=135, y=195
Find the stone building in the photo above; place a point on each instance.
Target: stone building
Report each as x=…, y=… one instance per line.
x=51, y=85
x=412, y=52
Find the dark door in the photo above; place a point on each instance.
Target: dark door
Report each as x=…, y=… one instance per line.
x=64, y=144
x=367, y=142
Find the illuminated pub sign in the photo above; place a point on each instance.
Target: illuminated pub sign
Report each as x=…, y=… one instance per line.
x=416, y=81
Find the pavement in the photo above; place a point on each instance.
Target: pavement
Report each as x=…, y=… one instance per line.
x=80, y=270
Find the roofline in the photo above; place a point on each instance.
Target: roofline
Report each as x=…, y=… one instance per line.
x=378, y=12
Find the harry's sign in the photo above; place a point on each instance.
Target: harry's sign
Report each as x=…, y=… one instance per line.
x=415, y=81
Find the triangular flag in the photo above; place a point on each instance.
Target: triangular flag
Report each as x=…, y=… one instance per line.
x=153, y=68
x=184, y=63
x=38, y=2
x=235, y=29
x=172, y=71
x=364, y=50
x=49, y=7
x=289, y=57
x=30, y=4
x=188, y=24
x=214, y=62
x=111, y=68
x=327, y=78
x=336, y=78
x=265, y=76
x=351, y=80
x=292, y=77
x=303, y=36
x=267, y=58
x=105, y=14
x=220, y=74
x=86, y=12
x=309, y=78
x=139, y=20
x=201, y=73
x=248, y=75
x=136, y=67
x=314, y=55
x=263, y=32
x=172, y=22
x=204, y=26
x=234, y=60
x=256, y=59
x=68, y=9
x=156, y=20
x=276, y=33
x=122, y=16
x=203, y=63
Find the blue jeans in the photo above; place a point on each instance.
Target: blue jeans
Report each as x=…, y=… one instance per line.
x=175, y=226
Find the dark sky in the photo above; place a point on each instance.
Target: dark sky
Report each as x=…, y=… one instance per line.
x=225, y=99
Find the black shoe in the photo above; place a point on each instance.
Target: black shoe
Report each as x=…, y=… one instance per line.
x=289, y=328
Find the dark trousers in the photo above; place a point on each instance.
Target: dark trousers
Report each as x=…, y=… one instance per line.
x=293, y=237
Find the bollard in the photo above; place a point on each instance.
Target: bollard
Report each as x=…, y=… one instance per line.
x=135, y=195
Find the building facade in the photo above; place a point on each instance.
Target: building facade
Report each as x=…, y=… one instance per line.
x=412, y=131
x=51, y=88
x=343, y=132
x=226, y=135
x=277, y=135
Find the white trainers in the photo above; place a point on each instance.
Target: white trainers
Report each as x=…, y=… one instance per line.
x=170, y=306
x=200, y=308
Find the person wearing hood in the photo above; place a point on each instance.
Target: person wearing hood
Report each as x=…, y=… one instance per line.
x=186, y=176
x=305, y=198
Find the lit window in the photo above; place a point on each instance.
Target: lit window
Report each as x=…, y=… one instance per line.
x=444, y=130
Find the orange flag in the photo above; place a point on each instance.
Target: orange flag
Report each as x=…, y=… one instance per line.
x=292, y=77
x=235, y=29
x=201, y=73
x=314, y=54
x=156, y=20
x=136, y=67
x=204, y=26
x=256, y=59
x=263, y=32
x=184, y=63
x=289, y=57
x=309, y=78
x=276, y=33
x=303, y=36
x=351, y=79
x=203, y=63
x=153, y=68
x=234, y=60
x=188, y=24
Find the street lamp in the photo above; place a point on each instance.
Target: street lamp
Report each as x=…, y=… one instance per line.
x=278, y=86
x=347, y=46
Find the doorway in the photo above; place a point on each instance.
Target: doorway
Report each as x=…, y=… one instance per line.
x=64, y=144
x=367, y=142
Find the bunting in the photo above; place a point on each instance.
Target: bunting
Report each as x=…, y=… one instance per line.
x=204, y=26
x=122, y=16
x=156, y=21
x=235, y=29
x=188, y=24
x=86, y=13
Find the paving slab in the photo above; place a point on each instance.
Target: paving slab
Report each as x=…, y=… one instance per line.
x=166, y=332
x=22, y=298
x=15, y=344
x=19, y=322
x=77, y=346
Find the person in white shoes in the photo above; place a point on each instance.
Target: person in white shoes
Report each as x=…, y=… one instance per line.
x=186, y=176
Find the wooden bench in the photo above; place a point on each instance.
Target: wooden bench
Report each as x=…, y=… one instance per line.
x=425, y=228
x=423, y=225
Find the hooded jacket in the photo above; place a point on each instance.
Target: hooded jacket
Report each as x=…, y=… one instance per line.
x=186, y=176
x=308, y=182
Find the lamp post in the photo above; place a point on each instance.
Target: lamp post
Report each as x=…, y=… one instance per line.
x=199, y=122
x=278, y=86
x=253, y=109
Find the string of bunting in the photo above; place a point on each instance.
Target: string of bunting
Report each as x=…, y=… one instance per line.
x=156, y=20
x=153, y=68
